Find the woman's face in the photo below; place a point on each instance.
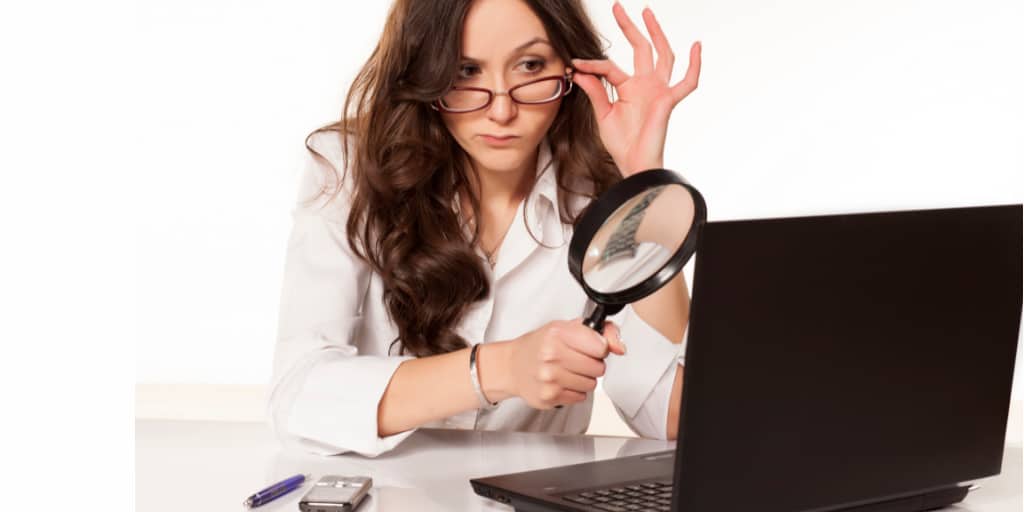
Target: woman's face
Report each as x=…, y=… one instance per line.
x=503, y=44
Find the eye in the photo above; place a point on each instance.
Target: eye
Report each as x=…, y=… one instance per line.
x=467, y=70
x=537, y=65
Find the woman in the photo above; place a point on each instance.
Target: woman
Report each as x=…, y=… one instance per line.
x=438, y=229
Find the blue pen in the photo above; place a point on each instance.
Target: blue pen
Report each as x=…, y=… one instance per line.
x=274, y=491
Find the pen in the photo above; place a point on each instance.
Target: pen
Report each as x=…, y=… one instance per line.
x=274, y=491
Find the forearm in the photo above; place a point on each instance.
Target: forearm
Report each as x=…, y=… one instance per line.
x=407, y=403
x=668, y=311
x=672, y=428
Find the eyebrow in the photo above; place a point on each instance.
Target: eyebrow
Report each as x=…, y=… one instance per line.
x=517, y=49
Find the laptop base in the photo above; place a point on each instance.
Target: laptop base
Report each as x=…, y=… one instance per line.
x=931, y=500
x=925, y=501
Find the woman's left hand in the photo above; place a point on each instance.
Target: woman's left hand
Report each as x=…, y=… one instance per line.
x=633, y=128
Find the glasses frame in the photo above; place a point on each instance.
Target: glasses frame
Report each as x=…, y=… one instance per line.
x=566, y=85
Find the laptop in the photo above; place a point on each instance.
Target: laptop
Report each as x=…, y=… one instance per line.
x=837, y=362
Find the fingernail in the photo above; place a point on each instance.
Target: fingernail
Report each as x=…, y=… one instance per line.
x=623, y=345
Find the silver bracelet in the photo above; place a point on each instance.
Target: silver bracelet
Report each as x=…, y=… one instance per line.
x=475, y=377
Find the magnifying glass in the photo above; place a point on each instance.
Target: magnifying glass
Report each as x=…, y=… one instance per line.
x=633, y=239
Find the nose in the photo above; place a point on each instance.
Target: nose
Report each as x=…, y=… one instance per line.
x=502, y=109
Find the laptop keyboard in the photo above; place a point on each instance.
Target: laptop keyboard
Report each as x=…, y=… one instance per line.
x=650, y=496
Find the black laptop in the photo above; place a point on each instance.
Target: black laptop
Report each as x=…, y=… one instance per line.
x=839, y=362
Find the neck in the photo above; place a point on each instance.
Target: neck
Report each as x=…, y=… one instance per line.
x=502, y=191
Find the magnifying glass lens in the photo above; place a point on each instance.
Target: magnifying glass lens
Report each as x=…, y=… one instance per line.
x=638, y=238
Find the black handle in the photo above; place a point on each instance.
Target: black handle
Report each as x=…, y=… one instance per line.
x=596, y=320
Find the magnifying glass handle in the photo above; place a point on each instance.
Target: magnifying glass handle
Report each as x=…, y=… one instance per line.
x=596, y=322
x=596, y=318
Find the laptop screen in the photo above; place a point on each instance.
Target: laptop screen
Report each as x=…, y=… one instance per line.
x=848, y=358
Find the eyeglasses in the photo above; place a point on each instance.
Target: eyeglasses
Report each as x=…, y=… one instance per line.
x=459, y=100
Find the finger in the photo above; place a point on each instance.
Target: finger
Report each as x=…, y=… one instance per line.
x=666, y=59
x=594, y=90
x=585, y=340
x=574, y=382
x=689, y=82
x=582, y=364
x=614, y=336
x=643, y=58
x=605, y=67
x=570, y=397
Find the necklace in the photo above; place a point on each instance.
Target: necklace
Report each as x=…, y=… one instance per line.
x=492, y=256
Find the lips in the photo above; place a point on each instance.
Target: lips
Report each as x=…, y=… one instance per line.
x=498, y=140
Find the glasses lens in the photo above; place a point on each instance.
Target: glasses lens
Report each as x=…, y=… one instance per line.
x=538, y=92
x=458, y=99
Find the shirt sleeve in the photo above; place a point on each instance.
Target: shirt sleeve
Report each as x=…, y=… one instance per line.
x=639, y=383
x=324, y=395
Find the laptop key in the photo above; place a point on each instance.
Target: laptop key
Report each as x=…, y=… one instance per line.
x=643, y=496
x=577, y=499
x=610, y=507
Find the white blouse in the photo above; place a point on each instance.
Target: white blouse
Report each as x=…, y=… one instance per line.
x=332, y=361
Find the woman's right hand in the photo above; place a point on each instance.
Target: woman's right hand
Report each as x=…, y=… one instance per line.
x=559, y=363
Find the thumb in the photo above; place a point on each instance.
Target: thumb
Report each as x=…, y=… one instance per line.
x=595, y=91
x=615, y=344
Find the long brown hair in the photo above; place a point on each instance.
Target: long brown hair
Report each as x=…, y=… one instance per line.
x=407, y=167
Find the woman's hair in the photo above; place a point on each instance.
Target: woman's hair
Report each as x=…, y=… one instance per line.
x=406, y=167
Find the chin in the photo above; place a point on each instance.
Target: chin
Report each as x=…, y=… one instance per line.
x=500, y=160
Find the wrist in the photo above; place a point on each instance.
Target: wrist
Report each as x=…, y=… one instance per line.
x=646, y=166
x=493, y=366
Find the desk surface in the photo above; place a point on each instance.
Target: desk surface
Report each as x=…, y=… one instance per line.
x=195, y=465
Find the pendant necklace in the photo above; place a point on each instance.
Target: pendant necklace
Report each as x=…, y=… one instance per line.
x=492, y=257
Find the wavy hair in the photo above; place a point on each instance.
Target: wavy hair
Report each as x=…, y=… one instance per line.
x=406, y=167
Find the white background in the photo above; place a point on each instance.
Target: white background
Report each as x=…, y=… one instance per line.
x=804, y=107
x=150, y=152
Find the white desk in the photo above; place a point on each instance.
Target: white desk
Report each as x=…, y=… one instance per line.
x=195, y=466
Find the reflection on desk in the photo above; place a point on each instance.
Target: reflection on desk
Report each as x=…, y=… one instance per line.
x=194, y=466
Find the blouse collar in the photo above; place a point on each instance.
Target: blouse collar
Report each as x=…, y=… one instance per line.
x=541, y=204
